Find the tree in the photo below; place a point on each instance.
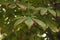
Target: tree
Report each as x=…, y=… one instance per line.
x=30, y=19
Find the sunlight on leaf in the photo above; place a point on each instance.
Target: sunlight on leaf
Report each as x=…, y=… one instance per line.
x=29, y=22
x=41, y=23
x=22, y=6
x=43, y=11
x=52, y=12
x=19, y=21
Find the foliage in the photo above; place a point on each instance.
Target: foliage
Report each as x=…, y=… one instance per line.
x=29, y=19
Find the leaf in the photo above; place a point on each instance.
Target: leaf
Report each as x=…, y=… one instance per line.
x=19, y=21
x=52, y=12
x=38, y=8
x=58, y=13
x=53, y=27
x=43, y=11
x=23, y=7
x=29, y=22
x=18, y=17
x=41, y=23
x=12, y=6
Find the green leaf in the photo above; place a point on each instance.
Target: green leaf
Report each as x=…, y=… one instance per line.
x=38, y=8
x=53, y=27
x=52, y=12
x=58, y=13
x=43, y=11
x=19, y=21
x=12, y=6
x=41, y=23
x=29, y=22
